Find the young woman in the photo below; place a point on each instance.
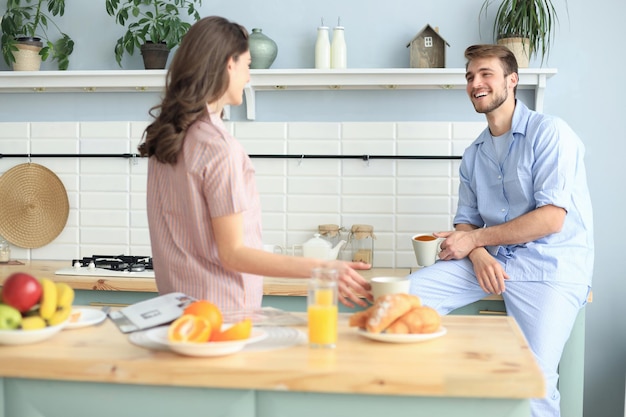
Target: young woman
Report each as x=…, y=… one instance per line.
x=204, y=209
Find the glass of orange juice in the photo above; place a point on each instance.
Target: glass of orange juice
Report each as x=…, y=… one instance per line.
x=322, y=308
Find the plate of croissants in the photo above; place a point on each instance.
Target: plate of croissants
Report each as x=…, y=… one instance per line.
x=398, y=318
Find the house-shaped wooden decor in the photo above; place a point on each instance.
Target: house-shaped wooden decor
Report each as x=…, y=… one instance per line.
x=428, y=49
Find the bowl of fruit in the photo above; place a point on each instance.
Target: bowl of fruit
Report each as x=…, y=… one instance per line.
x=33, y=310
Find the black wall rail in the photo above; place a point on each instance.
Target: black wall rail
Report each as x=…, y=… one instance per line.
x=266, y=156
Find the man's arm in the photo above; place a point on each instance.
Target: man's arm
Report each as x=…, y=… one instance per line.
x=531, y=226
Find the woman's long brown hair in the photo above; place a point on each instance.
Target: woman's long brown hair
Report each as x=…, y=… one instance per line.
x=197, y=76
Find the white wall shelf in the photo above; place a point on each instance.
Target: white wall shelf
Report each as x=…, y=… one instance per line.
x=262, y=80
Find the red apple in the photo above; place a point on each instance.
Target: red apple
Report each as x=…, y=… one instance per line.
x=21, y=291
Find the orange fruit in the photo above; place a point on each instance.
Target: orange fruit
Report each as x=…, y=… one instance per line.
x=238, y=331
x=208, y=310
x=189, y=328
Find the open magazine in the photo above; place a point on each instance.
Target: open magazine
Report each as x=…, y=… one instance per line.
x=164, y=309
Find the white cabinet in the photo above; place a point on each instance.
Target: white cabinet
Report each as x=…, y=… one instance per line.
x=263, y=80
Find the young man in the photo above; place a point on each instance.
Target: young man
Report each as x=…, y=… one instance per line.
x=523, y=226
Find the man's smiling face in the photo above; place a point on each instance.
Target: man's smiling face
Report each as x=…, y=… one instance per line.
x=487, y=85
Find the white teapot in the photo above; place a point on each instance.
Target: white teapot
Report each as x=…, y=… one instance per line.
x=318, y=248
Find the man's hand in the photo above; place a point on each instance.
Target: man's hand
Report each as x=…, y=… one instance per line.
x=457, y=244
x=489, y=272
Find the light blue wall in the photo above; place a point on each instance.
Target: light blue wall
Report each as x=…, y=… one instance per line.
x=584, y=93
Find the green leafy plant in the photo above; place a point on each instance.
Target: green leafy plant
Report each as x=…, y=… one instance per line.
x=156, y=21
x=532, y=19
x=29, y=19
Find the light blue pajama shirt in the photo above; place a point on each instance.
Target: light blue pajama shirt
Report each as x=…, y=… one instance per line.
x=549, y=278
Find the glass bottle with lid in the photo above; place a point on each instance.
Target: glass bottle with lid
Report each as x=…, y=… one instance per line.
x=338, y=51
x=322, y=48
x=362, y=243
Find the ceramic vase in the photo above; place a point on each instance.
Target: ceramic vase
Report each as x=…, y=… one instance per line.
x=154, y=55
x=263, y=50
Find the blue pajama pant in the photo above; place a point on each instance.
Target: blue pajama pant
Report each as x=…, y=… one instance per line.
x=544, y=310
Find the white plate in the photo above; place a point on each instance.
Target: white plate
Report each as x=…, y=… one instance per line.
x=88, y=317
x=24, y=337
x=159, y=336
x=402, y=338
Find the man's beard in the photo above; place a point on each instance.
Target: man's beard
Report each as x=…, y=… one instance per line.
x=497, y=101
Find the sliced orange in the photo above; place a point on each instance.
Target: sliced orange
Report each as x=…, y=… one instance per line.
x=189, y=328
x=238, y=331
x=208, y=310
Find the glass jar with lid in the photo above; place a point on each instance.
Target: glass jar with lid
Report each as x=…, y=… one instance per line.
x=362, y=243
x=5, y=250
x=331, y=233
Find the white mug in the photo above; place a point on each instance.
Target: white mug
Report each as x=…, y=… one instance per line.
x=389, y=285
x=273, y=248
x=426, y=248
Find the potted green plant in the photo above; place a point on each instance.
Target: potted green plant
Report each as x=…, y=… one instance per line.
x=528, y=23
x=25, y=32
x=151, y=22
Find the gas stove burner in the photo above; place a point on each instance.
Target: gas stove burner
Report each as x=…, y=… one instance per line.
x=115, y=263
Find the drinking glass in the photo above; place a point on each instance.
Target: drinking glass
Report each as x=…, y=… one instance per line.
x=322, y=308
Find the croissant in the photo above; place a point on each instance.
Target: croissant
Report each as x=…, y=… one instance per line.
x=359, y=319
x=418, y=320
x=388, y=308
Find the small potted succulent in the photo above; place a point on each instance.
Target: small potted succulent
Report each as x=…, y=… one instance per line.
x=151, y=24
x=25, y=37
x=529, y=23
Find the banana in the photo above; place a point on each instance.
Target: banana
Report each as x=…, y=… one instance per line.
x=48, y=303
x=33, y=323
x=59, y=316
x=65, y=295
x=65, y=298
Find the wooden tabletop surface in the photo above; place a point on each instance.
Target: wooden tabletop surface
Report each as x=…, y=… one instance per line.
x=478, y=357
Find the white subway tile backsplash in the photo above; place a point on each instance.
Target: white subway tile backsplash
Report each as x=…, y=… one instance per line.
x=61, y=130
x=423, y=186
x=105, y=130
x=359, y=204
x=318, y=131
x=424, y=147
x=106, y=236
x=368, y=147
x=368, y=186
x=54, y=146
x=90, y=183
x=423, y=205
x=397, y=197
x=299, y=185
x=104, y=218
x=313, y=204
x=424, y=130
x=252, y=130
x=314, y=147
x=104, y=201
x=105, y=146
x=368, y=130
x=14, y=131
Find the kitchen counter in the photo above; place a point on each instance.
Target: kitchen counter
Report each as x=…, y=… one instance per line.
x=272, y=286
x=481, y=367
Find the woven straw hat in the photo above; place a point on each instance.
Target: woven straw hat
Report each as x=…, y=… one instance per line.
x=33, y=205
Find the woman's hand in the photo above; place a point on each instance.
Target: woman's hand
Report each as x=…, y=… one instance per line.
x=352, y=287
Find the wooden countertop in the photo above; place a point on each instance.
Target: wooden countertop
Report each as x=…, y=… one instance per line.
x=484, y=357
x=272, y=286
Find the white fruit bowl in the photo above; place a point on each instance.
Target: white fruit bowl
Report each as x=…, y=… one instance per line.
x=24, y=337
